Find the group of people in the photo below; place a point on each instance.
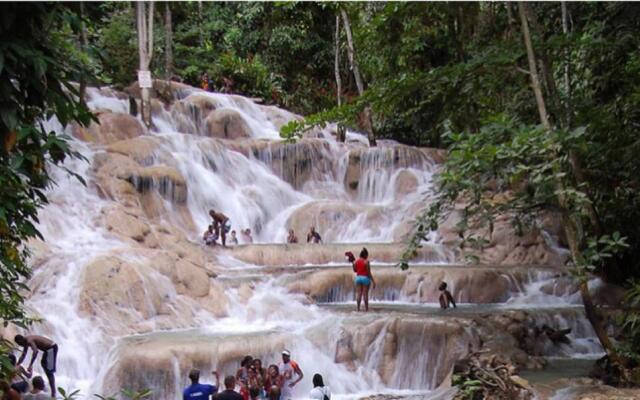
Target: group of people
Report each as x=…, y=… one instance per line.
x=219, y=228
x=253, y=381
x=312, y=236
x=19, y=386
x=364, y=280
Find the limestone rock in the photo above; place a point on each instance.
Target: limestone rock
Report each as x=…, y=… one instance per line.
x=112, y=127
x=142, y=149
x=190, y=279
x=126, y=225
x=227, y=124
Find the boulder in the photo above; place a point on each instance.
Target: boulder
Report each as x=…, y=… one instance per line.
x=190, y=279
x=112, y=127
x=405, y=183
x=165, y=180
x=227, y=123
x=142, y=149
x=124, y=224
x=117, y=291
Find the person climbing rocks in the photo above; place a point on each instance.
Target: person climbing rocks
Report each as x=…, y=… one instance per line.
x=363, y=279
x=200, y=391
x=319, y=391
x=37, y=393
x=49, y=358
x=233, y=239
x=288, y=368
x=229, y=393
x=220, y=225
x=292, y=238
x=246, y=236
x=313, y=236
x=445, y=299
x=210, y=236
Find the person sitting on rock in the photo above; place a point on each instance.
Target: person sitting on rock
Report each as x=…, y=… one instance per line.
x=18, y=375
x=37, y=393
x=209, y=236
x=292, y=238
x=313, y=236
x=220, y=225
x=445, y=299
x=233, y=239
x=246, y=236
x=200, y=391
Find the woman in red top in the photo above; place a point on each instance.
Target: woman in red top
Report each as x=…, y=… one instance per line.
x=364, y=279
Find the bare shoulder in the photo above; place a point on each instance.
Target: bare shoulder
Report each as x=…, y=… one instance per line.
x=41, y=342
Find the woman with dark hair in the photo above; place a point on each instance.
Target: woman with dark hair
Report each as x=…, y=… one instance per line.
x=319, y=391
x=274, y=381
x=364, y=279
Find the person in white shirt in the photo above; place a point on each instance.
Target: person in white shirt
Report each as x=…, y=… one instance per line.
x=319, y=391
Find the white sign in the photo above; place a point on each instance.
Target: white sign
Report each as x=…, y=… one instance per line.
x=144, y=79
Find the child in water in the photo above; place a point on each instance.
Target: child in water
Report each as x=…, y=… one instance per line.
x=446, y=299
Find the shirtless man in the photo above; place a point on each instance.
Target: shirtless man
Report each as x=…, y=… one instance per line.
x=446, y=299
x=49, y=355
x=219, y=222
x=313, y=236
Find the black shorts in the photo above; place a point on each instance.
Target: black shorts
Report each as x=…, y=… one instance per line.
x=49, y=359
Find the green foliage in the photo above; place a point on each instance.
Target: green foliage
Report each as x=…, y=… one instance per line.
x=118, y=43
x=35, y=66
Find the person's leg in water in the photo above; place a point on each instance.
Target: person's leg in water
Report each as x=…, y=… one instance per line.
x=52, y=382
x=366, y=297
x=223, y=236
x=359, y=289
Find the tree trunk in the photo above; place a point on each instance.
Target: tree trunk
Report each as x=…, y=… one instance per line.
x=83, y=49
x=567, y=80
x=533, y=70
x=546, y=67
x=168, y=42
x=145, y=52
x=342, y=133
x=200, y=37
x=353, y=62
x=571, y=226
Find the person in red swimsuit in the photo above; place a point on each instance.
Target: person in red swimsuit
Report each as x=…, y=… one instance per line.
x=364, y=279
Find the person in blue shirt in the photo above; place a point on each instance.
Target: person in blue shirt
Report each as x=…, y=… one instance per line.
x=198, y=391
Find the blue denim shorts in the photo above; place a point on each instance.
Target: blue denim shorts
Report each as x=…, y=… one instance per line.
x=362, y=280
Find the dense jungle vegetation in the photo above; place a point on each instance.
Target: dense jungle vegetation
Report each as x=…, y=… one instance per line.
x=538, y=99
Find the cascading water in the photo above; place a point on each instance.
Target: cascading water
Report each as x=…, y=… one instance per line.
x=138, y=231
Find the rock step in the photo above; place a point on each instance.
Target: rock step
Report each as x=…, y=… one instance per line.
x=320, y=254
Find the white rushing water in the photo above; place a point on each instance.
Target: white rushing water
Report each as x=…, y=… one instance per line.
x=251, y=182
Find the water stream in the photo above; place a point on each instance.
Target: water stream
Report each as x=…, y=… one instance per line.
x=122, y=319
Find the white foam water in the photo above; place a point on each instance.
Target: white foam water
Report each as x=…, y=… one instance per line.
x=252, y=191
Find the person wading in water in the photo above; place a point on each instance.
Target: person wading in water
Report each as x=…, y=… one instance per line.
x=364, y=279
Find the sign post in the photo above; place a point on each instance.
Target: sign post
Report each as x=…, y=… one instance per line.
x=144, y=80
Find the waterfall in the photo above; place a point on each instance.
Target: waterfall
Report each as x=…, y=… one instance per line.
x=125, y=287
